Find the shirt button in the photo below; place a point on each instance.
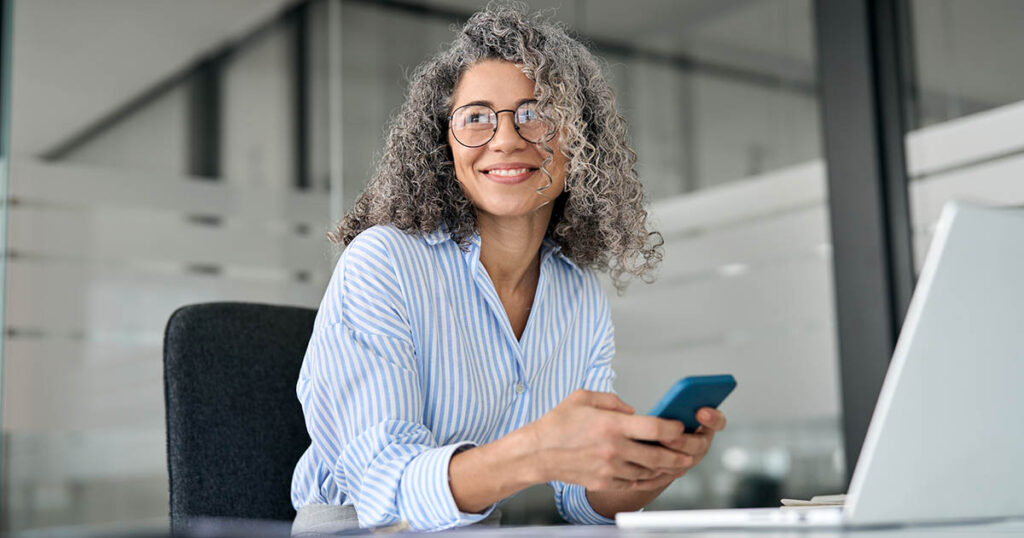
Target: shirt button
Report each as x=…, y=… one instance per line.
x=520, y=388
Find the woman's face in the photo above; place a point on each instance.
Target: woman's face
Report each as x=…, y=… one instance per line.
x=501, y=177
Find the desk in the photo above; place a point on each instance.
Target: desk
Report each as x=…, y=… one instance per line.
x=1002, y=529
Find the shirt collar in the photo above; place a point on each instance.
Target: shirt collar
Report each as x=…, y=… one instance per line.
x=550, y=246
x=439, y=235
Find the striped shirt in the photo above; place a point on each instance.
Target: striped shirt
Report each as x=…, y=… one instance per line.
x=413, y=357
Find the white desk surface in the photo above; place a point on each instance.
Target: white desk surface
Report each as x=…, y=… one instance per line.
x=217, y=528
x=1001, y=529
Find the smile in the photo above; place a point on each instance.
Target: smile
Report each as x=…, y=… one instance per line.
x=510, y=175
x=508, y=172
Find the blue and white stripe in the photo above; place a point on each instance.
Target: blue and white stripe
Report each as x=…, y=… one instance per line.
x=412, y=356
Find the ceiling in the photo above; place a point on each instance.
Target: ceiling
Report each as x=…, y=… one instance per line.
x=767, y=35
x=76, y=62
x=963, y=51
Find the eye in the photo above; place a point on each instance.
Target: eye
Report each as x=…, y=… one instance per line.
x=526, y=114
x=474, y=117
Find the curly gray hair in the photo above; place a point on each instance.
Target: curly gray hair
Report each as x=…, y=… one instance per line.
x=599, y=220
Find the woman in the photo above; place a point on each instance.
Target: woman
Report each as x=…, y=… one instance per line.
x=462, y=350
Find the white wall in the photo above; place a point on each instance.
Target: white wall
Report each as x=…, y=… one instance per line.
x=380, y=48
x=74, y=63
x=745, y=288
x=976, y=158
x=257, y=123
x=154, y=139
x=101, y=247
x=98, y=260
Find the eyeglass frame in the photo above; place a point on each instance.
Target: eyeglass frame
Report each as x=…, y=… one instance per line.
x=497, y=124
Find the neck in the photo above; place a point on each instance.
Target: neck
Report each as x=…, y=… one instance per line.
x=510, y=248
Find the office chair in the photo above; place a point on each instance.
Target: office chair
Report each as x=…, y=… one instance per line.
x=235, y=428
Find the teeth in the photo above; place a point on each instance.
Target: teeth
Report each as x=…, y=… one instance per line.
x=508, y=172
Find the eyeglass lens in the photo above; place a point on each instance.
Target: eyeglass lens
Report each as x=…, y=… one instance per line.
x=475, y=125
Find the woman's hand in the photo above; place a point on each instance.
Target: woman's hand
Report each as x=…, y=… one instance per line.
x=698, y=443
x=591, y=439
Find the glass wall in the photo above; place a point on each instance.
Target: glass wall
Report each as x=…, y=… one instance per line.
x=724, y=115
x=963, y=53
x=153, y=167
x=968, y=101
x=5, y=92
x=168, y=153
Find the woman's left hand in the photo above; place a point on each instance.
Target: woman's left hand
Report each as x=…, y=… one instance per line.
x=697, y=444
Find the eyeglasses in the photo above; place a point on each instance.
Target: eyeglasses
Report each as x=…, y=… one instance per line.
x=475, y=125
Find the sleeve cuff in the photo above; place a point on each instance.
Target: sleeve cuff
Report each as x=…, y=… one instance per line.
x=426, y=479
x=576, y=508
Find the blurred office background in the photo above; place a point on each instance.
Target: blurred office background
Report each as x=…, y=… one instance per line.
x=165, y=152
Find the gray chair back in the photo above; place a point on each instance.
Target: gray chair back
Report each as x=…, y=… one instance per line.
x=235, y=428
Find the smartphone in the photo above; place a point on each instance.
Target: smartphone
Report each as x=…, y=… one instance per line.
x=689, y=394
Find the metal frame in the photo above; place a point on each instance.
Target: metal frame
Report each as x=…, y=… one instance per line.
x=300, y=88
x=335, y=124
x=862, y=74
x=204, y=118
x=5, y=86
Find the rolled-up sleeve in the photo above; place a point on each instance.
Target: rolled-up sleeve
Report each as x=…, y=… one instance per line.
x=571, y=499
x=362, y=398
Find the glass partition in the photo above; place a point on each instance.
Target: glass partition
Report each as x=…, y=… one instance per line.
x=968, y=99
x=964, y=55
x=171, y=152
x=153, y=167
x=5, y=87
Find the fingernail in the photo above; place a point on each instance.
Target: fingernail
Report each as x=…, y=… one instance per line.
x=706, y=415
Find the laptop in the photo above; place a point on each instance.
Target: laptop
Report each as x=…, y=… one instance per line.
x=946, y=440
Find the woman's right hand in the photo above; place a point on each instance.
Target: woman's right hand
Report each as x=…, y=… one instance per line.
x=591, y=439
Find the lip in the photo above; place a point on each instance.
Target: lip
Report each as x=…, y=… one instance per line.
x=509, y=180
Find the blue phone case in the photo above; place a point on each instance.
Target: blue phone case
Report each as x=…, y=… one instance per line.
x=689, y=394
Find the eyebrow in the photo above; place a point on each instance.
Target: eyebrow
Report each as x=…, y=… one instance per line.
x=490, y=104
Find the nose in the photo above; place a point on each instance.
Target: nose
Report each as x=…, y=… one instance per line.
x=506, y=138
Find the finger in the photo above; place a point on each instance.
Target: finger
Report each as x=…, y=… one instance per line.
x=647, y=428
x=658, y=482
x=634, y=472
x=694, y=444
x=626, y=471
x=606, y=401
x=712, y=418
x=622, y=484
x=656, y=457
x=705, y=432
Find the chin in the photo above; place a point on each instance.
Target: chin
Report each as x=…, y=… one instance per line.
x=508, y=209
x=507, y=200
x=510, y=206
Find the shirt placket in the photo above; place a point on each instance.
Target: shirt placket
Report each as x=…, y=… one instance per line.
x=516, y=411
